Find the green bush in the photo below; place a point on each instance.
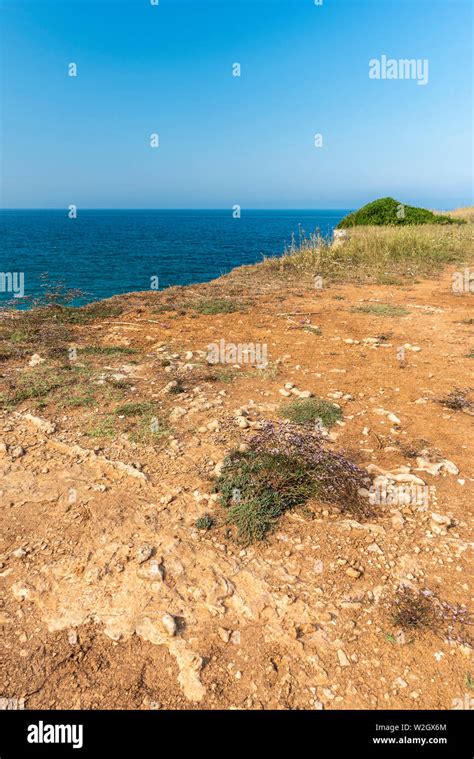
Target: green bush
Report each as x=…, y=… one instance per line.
x=388, y=211
x=205, y=522
x=258, y=487
x=285, y=467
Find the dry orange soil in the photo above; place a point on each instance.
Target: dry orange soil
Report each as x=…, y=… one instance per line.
x=300, y=621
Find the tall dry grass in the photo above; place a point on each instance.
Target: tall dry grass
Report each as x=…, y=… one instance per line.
x=466, y=213
x=382, y=254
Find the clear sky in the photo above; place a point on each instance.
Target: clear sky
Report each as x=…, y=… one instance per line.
x=226, y=140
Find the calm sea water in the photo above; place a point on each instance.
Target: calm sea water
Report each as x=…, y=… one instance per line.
x=103, y=253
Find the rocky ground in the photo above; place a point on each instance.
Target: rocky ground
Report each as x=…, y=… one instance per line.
x=113, y=598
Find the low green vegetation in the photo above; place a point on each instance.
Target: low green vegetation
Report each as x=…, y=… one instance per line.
x=310, y=410
x=388, y=211
x=107, y=350
x=206, y=522
x=150, y=429
x=49, y=330
x=380, y=309
x=258, y=487
x=209, y=306
x=78, y=401
x=139, y=408
x=178, y=388
x=145, y=425
x=105, y=427
x=285, y=468
x=33, y=385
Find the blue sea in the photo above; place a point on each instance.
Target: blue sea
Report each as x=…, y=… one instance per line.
x=104, y=253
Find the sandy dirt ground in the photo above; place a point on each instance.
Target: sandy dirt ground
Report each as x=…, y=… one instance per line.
x=112, y=598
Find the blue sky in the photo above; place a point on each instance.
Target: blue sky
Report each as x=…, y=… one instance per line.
x=226, y=140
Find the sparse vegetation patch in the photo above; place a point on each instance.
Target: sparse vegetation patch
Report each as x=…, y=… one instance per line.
x=310, y=410
x=380, y=309
x=285, y=467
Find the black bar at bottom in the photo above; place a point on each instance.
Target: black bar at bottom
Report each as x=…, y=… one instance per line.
x=151, y=733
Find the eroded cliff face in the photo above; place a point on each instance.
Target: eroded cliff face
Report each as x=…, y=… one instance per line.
x=113, y=598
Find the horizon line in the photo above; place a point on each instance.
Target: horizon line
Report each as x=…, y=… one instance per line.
x=174, y=208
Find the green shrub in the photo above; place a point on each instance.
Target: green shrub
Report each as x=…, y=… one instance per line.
x=284, y=468
x=206, y=522
x=388, y=211
x=258, y=487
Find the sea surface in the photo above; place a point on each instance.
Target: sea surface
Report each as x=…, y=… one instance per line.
x=104, y=253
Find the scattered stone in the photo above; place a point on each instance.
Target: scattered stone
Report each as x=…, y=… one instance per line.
x=42, y=424
x=169, y=623
x=354, y=573
x=423, y=465
x=19, y=553
x=169, y=387
x=439, y=524
x=343, y=660
x=36, y=360
x=374, y=548
x=72, y=637
x=400, y=683
x=166, y=499
x=17, y=452
x=150, y=570
x=144, y=553
x=242, y=422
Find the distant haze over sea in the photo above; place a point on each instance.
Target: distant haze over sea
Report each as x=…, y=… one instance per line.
x=108, y=252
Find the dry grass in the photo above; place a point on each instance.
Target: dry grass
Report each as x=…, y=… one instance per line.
x=380, y=253
x=466, y=213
